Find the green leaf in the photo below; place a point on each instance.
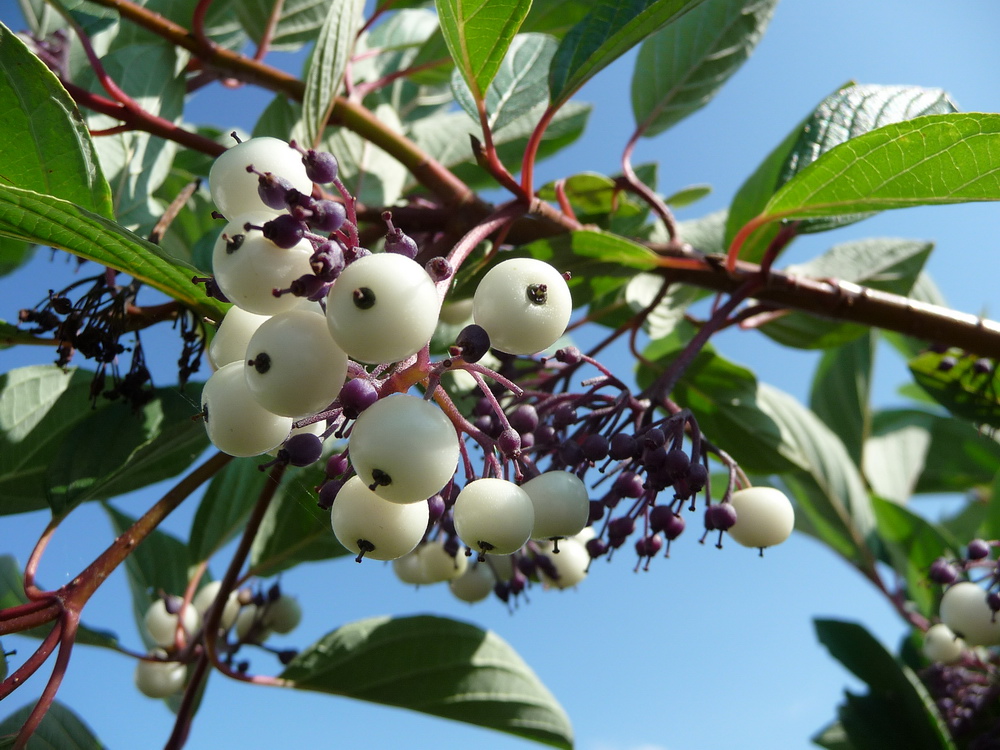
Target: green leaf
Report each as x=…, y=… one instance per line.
x=12, y=594
x=432, y=64
x=221, y=23
x=841, y=389
x=14, y=254
x=295, y=529
x=520, y=86
x=555, y=17
x=478, y=33
x=688, y=195
x=830, y=489
x=895, y=453
x=682, y=67
x=609, y=30
x=446, y=138
x=159, y=564
x=61, y=729
x=847, y=113
x=913, y=544
x=885, y=264
x=375, y=178
x=45, y=220
x=135, y=449
x=45, y=142
x=904, y=701
x=299, y=21
x=932, y=160
x=961, y=384
x=436, y=666
x=134, y=162
x=325, y=74
x=228, y=501
x=833, y=737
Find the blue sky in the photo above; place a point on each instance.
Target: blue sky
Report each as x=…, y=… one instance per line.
x=710, y=649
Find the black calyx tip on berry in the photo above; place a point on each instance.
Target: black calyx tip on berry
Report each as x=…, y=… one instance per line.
x=234, y=243
x=537, y=294
x=364, y=547
x=261, y=363
x=364, y=298
x=473, y=343
x=379, y=479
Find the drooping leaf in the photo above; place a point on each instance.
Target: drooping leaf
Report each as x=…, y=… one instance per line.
x=840, y=392
x=913, y=544
x=609, y=30
x=45, y=141
x=298, y=23
x=159, y=564
x=294, y=528
x=885, y=264
x=682, y=67
x=137, y=448
x=436, y=666
x=45, y=220
x=325, y=74
x=848, y=113
x=12, y=594
x=478, y=33
x=904, y=704
x=966, y=387
x=520, y=86
x=61, y=729
x=227, y=503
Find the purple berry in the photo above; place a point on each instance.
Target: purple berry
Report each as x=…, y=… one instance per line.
x=623, y=447
x=320, y=166
x=978, y=549
x=509, y=443
x=943, y=571
x=720, y=516
x=356, y=396
x=596, y=548
x=629, y=484
x=327, y=216
x=302, y=449
x=474, y=342
x=284, y=230
x=272, y=190
x=524, y=419
x=595, y=447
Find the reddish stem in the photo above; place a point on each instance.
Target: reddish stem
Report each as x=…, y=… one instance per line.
x=69, y=622
x=32, y=663
x=531, y=151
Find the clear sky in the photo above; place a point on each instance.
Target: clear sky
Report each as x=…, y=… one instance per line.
x=709, y=650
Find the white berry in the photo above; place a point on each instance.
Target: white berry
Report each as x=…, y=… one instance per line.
x=248, y=267
x=235, y=422
x=161, y=625
x=571, y=563
x=292, y=366
x=207, y=594
x=406, y=446
x=283, y=615
x=438, y=564
x=382, y=308
x=159, y=679
x=367, y=524
x=524, y=304
x=964, y=609
x=493, y=516
x=764, y=517
x=234, y=190
x=561, y=503
x=475, y=584
x=229, y=344
x=942, y=645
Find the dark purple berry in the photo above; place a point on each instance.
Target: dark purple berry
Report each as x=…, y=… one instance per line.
x=320, y=166
x=662, y=518
x=439, y=269
x=978, y=549
x=336, y=465
x=720, y=516
x=436, y=508
x=563, y=416
x=524, y=418
x=596, y=548
x=595, y=447
x=620, y=528
x=356, y=396
x=474, y=342
x=596, y=511
x=403, y=244
x=697, y=477
x=327, y=216
x=328, y=493
x=629, y=484
x=654, y=458
x=570, y=355
x=509, y=443
x=284, y=230
x=302, y=449
x=623, y=447
x=993, y=600
x=309, y=286
x=653, y=438
x=272, y=190
x=648, y=546
x=943, y=571
x=526, y=565
x=571, y=453
x=327, y=261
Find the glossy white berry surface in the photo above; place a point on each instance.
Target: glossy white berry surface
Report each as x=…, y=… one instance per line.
x=230, y=341
x=297, y=368
x=234, y=190
x=235, y=422
x=965, y=611
x=519, y=316
x=159, y=679
x=206, y=595
x=382, y=308
x=942, y=645
x=764, y=517
x=493, y=516
x=571, y=563
x=437, y=565
x=248, y=267
x=359, y=515
x=407, y=441
x=475, y=584
x=161, y=625
x=561, y=503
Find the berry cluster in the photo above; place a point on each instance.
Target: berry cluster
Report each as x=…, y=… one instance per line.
x=176, y=627
x=325, y=340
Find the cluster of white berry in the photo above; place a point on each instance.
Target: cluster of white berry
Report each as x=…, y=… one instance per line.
x=326, y=337
x=173, y=626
